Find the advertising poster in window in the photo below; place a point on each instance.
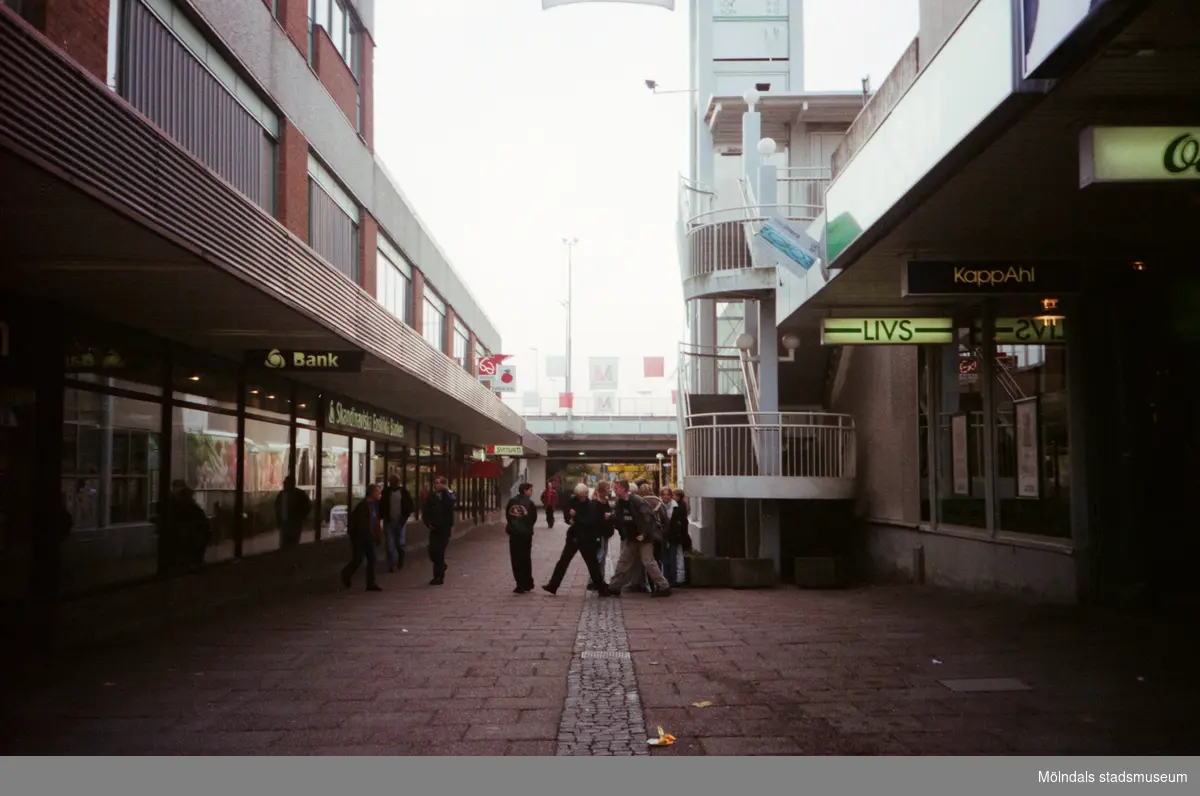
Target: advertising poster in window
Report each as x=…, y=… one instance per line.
x=960, y=461
x=1029, y=477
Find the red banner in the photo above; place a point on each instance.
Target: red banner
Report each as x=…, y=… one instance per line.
x=672, y=396
x=566, y=400
x=654, y=367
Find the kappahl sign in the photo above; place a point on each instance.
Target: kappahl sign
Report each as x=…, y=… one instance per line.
x=364, y=421
x=988, y=278
x=1139, y=154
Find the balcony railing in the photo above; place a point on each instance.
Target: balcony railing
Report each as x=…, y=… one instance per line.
x=619, y=406
x=789, y=445
x=719, y=239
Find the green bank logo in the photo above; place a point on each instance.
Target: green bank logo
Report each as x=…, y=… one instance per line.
x=1182, y=154
x=887, y=331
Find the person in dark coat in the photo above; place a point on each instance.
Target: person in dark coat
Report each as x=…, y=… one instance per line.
x=438, y=516
x=522, y=516
x=679, y=540
x=292, y=506
x=585, y=524
x=364, y=533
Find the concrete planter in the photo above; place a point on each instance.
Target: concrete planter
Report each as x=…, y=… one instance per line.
x=825, y=572
x=704, y=571
x=751, y=573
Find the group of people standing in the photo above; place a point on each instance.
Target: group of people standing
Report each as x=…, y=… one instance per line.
x=653, y=531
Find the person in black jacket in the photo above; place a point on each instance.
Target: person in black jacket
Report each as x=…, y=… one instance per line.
x=603, y=496
x=364, y=535
x=585, y=523
x=679, y=540
x=521, y=514
x=438, y=516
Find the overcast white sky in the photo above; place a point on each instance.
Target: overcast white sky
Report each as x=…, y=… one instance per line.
x=510, y=128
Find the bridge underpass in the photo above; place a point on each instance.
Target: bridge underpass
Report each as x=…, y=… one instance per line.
x=598, y=440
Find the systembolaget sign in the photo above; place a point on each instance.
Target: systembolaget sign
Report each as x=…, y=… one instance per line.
x=341, y=415
x=1138, y=154
x=922, y=278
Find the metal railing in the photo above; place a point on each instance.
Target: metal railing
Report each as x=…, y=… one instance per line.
x=802, y=445
x=619, y=406
x=806, y=184
x=720, y=241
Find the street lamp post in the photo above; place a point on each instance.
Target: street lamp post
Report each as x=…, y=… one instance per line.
x=659, y=475
x=674, y=477
x=570, y=244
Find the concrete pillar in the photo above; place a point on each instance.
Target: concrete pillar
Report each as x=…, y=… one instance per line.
x=751, y=160
x=768, y=533
x=753, y=515
x=768, y=389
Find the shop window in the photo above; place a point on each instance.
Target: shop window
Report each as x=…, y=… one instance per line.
x=360, y=469
x=204, y=456
x=393, y=287
x=111, y=467
x=462, y=341
x=335, y=485
x=1032, y=442
x=1027, y=416
x=267, y=449
x=269, y=399
x=306, y=468
x=308, y=405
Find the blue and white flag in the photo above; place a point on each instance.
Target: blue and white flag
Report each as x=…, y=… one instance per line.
x=667, y=4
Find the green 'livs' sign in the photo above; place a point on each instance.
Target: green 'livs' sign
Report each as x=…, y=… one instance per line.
x=887, y=331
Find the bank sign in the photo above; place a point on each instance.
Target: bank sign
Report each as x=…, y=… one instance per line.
x=1139, y=154
x=309, y=361
x=343, y=416
x=988, y=279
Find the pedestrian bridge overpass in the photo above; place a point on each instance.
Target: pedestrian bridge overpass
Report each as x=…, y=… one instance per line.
x=604, y=438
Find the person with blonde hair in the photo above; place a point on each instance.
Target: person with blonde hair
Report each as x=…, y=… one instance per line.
x=603, y=497
x=585, y=521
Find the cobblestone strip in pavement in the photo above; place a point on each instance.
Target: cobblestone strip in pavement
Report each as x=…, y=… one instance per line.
x=603, y=711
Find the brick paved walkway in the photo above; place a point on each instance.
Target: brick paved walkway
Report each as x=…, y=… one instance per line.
x=853, y=672
x=465, y=668
x=470, y=668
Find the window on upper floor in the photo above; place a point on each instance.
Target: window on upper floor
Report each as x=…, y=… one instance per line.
x=333, y=220
x=393, y=281
x=338, y=20
x=433, y=320
x=462, y=341
x=167, y=68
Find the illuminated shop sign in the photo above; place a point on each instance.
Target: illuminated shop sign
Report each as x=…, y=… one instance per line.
x=987, y=278
x=887, y=331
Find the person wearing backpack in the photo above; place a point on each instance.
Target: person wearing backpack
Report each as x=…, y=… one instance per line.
x=397, y=506
x=522, y=516
x=639, y=527
x=438, y=516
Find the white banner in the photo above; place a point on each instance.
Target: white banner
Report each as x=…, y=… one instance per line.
x=505, y=379
x=797, y=247
x=556, y=367
x=667, y=4
x=602, y=373
x=606, y=403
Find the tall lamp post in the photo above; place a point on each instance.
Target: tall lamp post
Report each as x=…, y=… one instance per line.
x=659, y=475
x=570, y=244
x=674, y=477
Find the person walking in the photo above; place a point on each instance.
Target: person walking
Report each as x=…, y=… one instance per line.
x=438, y=516
x=550, y=502
x=522, y=516
x=679, y=540
x=292, y=506
x=662, y=517
x=585, y=522
x=639, y=528
x=364, y=532
x=397, y=506
x=603, y=496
